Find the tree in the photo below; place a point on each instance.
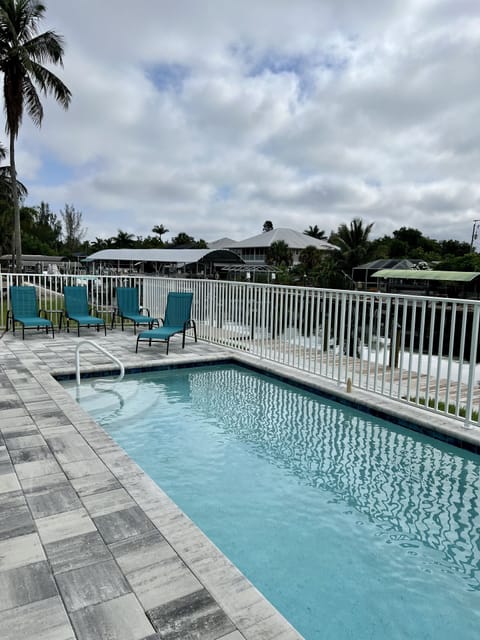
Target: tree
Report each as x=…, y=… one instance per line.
x=6, y=204
x=315, y=232
x=48, y=227
x=124, y=240
x=74, y=232
x=310, y=257
x=279, y=254
x=267, y=226
x=22, y=54
x=353, y=243
x=160, y=230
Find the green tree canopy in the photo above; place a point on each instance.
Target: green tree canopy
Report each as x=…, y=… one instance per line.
x=23, y=53
x=74, y=231
x=353, y=242
x=279, y=254
x=315, y=232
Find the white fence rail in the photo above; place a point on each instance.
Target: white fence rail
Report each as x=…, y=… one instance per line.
x=417, y=350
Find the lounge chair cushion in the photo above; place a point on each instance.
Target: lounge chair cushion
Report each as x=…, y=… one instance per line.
x=33, y=321
x=162, y=333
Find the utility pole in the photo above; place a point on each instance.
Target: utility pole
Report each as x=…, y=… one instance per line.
x=474, y=235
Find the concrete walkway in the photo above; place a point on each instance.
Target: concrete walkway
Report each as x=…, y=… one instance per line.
x=90, y=547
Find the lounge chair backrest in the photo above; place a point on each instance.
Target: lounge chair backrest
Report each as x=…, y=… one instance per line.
x=127, y=300
x=76, y=301
x=24, y=302
x=178, y=309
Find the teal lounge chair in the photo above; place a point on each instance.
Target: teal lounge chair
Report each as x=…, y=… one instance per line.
x=25, y=310
x=128, y=309
x=177, y=320
x=76, y=309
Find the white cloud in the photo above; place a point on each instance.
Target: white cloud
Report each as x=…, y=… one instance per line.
x=212, y=117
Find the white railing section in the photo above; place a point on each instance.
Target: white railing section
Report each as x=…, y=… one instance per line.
x=415, y=349
x=95, y=345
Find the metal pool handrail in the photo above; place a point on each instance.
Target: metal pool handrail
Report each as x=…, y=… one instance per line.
x=95, y=345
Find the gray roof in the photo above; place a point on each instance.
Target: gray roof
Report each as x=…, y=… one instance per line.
x=393, y=263
x=171, y=256
x=222, y=243
x=412, y=274
x=294, y=239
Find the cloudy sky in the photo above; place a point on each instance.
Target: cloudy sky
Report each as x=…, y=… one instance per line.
x=210, y=117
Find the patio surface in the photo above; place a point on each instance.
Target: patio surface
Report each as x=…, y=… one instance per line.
x=90, y=547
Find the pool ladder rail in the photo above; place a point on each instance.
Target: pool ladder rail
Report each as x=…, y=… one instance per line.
x=95, y=345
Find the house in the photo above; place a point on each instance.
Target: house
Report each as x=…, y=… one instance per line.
x=253, y=250
x=363, y=275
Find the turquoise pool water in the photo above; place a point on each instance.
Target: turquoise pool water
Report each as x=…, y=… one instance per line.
x=352, y=527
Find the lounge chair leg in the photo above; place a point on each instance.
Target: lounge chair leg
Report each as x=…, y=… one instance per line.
x=168, y=344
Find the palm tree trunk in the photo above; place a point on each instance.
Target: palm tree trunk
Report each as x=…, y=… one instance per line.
x=17, y=234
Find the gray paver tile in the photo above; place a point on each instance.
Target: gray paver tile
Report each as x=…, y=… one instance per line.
x=25, y=441
x=6, y=466
x=70, y=448
x=51, y=502
x=96, y=483
x=84, y=468
x=31, y=454
x=41, y=620
x=273, y=628
x=196, y=616
x=141, y=551
x=23, y=585
x=36, y=468
x=43, y=484
x=77, y=551
x=100, y=504
x=64, y=525
x=16, y=521
x=20, y=551
x=9, y=482
x=11, y=499
x=162, y=582
x=90, y=585
x=123, y=524
x=119, y=619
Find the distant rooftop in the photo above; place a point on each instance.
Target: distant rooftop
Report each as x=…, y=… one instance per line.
x=294, y=239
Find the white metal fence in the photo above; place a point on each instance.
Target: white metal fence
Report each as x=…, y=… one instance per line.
x=418, y=350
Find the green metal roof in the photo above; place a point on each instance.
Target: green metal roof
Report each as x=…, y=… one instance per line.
x=414, y=274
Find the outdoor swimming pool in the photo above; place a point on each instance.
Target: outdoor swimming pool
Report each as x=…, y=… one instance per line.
x=351, y=526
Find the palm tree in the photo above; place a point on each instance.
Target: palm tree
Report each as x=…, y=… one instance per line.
x=160, y=230
x=124, y=240
x=353, y=242
x=22, y=52
x=315, y=232
x=279, y=254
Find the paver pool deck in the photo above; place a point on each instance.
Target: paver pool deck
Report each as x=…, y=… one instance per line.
x=90, y=547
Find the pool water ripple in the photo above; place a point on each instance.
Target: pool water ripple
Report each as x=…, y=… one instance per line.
x=351, y=526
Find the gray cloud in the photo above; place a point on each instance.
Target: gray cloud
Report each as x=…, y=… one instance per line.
x=210, y=118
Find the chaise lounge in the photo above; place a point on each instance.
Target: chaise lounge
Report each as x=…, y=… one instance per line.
x=129, y=309
x=177, y=320
x=76, y=309
x=25, y=310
